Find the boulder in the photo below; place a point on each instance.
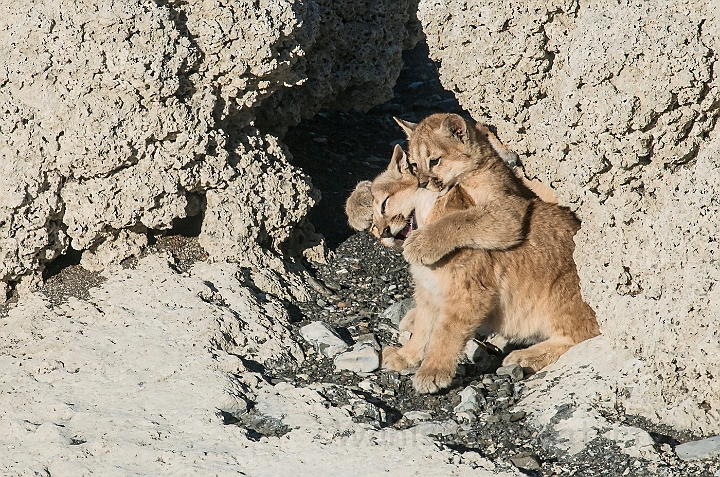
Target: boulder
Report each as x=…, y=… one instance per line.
x=615, y=107
x=119, y=118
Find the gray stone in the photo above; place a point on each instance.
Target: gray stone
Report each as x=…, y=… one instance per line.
x=324, y=338
x=395, y=312
x=515, y=371
x=362, y=408
x=370, y=339
x=471, y=399
x=318, y=286
x=475, y=352
x=370, y=386
x=499, y=342
x=361, y=358
x=526, y=461
x=437, y=428
x=701, y=449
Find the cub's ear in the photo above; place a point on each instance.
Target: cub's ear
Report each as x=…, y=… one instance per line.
x=455, y=126
x=398, y=163
x=407, y=126
x=358, y=207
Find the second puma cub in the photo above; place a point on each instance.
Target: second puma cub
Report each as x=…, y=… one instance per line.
x=529, y=293
x=445, y=150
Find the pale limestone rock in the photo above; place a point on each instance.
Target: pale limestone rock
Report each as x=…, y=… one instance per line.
x=125, y=116
x=615, y=107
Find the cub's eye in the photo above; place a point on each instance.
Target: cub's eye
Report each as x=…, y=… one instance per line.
x=384, y=204
x=412, y=167
x=434, y=162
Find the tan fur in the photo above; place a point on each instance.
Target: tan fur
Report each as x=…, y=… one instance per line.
x=529, y=293
x=446, y=150
x=358, y=207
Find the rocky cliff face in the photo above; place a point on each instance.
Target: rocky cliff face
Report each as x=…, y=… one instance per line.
x=120, y=118
x=615, y=106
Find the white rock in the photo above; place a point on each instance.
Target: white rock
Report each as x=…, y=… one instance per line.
x=436, y=428
x=701, y=449
x=362, y=358
x=418, y=415
x=370, y=386
x=474, y=351
x=471, y=400
x=324, y=338
x=370, y=339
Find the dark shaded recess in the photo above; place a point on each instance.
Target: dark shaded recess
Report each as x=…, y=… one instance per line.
x=69, y=258
x=338, y=149
x=188, y=226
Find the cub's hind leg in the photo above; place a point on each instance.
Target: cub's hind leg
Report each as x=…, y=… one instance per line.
x=537, y=356
x=456, y=325
x=576, y=324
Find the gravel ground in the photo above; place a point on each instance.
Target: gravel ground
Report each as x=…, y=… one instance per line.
x=360, y=281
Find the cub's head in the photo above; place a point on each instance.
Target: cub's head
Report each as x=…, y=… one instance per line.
x=393, y=193
x=393, y=197
x=443, y=148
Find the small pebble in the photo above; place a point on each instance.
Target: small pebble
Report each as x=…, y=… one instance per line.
x=515, y=371
x=370, y=386
x=318, y=286
x=526, y=461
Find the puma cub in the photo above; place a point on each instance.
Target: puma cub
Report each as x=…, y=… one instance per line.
x=445, y=150
x=528, y=293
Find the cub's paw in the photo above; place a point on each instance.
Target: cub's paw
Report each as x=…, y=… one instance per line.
x=423, y=248
x=431, y=380
x=391, y=359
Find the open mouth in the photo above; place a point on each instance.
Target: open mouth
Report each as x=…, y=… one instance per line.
x=410, y=225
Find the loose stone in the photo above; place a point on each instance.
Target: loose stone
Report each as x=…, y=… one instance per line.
x=437, y=428
x=324, y=338
x=418, y=416
x=526, y=461
x=362, y=358
x=370, y=386
x=515, y=371
x=470, y=400
x=475, y=352
x=397, y=311
x=318, y=286
x=370, y=339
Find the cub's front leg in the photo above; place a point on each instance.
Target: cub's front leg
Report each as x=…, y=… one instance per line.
x=412, y=353
x=498, y=225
